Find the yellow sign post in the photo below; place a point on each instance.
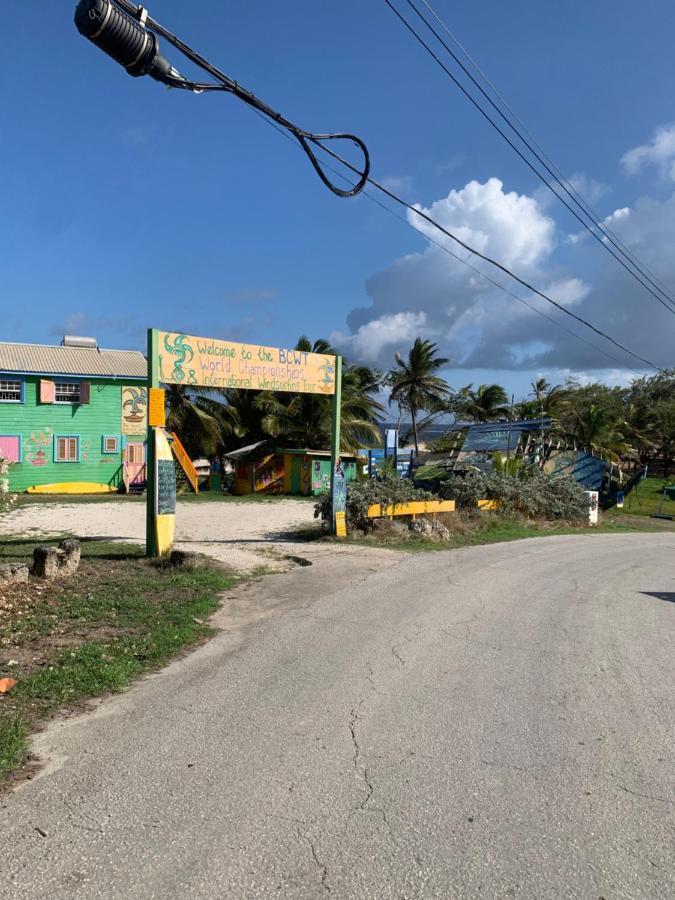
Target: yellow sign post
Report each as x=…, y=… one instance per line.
x=165, y=493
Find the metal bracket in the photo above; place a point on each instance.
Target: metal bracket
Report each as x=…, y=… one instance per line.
x=142, y=15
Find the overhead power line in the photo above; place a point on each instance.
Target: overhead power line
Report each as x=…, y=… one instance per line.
x=477, y=253
x=488, y=259
x=456, y=257
x=604, y=241
x=582, y=201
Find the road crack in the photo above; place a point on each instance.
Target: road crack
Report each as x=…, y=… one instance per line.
x=364, y=776
x=397, y=656
x=322, y=867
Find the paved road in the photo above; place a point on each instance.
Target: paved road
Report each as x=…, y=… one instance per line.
x=492, y=722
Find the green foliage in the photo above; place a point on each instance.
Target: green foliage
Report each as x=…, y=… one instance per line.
x=212, y=421
x=537, y=496
x=487, y=402
x=507, y=465
x=362, y=494
x=415, y=386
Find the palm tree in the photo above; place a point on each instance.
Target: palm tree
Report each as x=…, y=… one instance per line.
x=549, y=399
x=487, y=402
x=199, y=420
x=305, y=420
x=414, y=384
x=598, y=429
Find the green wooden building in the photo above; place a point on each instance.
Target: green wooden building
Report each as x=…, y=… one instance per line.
x=72, y=417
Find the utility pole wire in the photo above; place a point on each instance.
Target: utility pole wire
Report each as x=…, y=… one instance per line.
x=476, y=253
x=516, y=149
x=580, y=198
x=488, y=259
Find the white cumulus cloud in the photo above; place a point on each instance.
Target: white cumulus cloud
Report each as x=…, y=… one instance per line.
x=390, y=332
x=479, y=326
x=510, y=227
x=659, y=152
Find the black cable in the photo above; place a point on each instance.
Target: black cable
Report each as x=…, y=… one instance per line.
x=607, y=234
x=581, y=201
x=493, y=262
x=467, y=264
x=304, y=138
x=517, y=150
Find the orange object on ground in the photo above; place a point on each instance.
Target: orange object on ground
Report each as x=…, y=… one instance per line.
x=6, y=685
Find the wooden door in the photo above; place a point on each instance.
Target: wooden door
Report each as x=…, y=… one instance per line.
x=134, y=462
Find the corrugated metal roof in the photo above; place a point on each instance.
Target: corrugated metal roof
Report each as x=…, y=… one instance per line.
x=44, y=359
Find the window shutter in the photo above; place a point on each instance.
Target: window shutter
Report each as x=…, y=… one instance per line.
x=47, y=391
x=85, y=390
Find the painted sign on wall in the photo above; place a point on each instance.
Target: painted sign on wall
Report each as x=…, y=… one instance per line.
x=189, y=360
x=134, y=410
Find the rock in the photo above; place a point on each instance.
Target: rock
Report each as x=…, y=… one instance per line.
x=13, y=573
x=45, y=562
x=70, y=561
x=422, y=526
x=430, y=528
x=440, y=530
x=57, y=562
x=389, y=527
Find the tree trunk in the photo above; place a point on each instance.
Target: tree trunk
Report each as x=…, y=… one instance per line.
x=413, y=415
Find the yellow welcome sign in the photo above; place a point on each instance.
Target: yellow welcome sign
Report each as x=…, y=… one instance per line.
x=188, y=360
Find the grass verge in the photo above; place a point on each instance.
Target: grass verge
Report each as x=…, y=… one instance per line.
x=490, y=528
x=67, y=641
x=644, y=499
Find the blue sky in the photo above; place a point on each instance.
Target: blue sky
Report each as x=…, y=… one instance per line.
x=128, y=205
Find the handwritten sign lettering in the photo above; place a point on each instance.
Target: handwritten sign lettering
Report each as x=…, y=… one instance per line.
x=156, y=408
x=166, y=487
x=188, y=360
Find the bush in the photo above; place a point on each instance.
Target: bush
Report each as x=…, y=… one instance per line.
x=362, y=494
x=536, y=495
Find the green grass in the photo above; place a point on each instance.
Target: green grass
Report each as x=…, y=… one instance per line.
x=644, y=500
x=492, y=529
x=94, y=633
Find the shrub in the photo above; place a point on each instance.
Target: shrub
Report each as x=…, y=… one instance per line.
x=536, y=495
x=362, y=494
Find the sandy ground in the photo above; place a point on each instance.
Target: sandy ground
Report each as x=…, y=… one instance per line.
x=243, y=535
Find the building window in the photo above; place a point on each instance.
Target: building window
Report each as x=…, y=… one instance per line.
x=111, y=443
x=10, y=447
x=66, y=448
x=67, y=392
x=11, y=390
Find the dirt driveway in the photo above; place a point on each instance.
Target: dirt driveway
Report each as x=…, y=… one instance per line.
x=244, y=535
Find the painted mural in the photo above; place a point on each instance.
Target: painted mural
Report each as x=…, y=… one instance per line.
x=134, y=410
x=38, y=448
x=320, y=477
x=269, y=474
x=586, y=469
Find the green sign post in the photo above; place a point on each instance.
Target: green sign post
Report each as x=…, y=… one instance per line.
x=337, y=485
x=151, y=544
